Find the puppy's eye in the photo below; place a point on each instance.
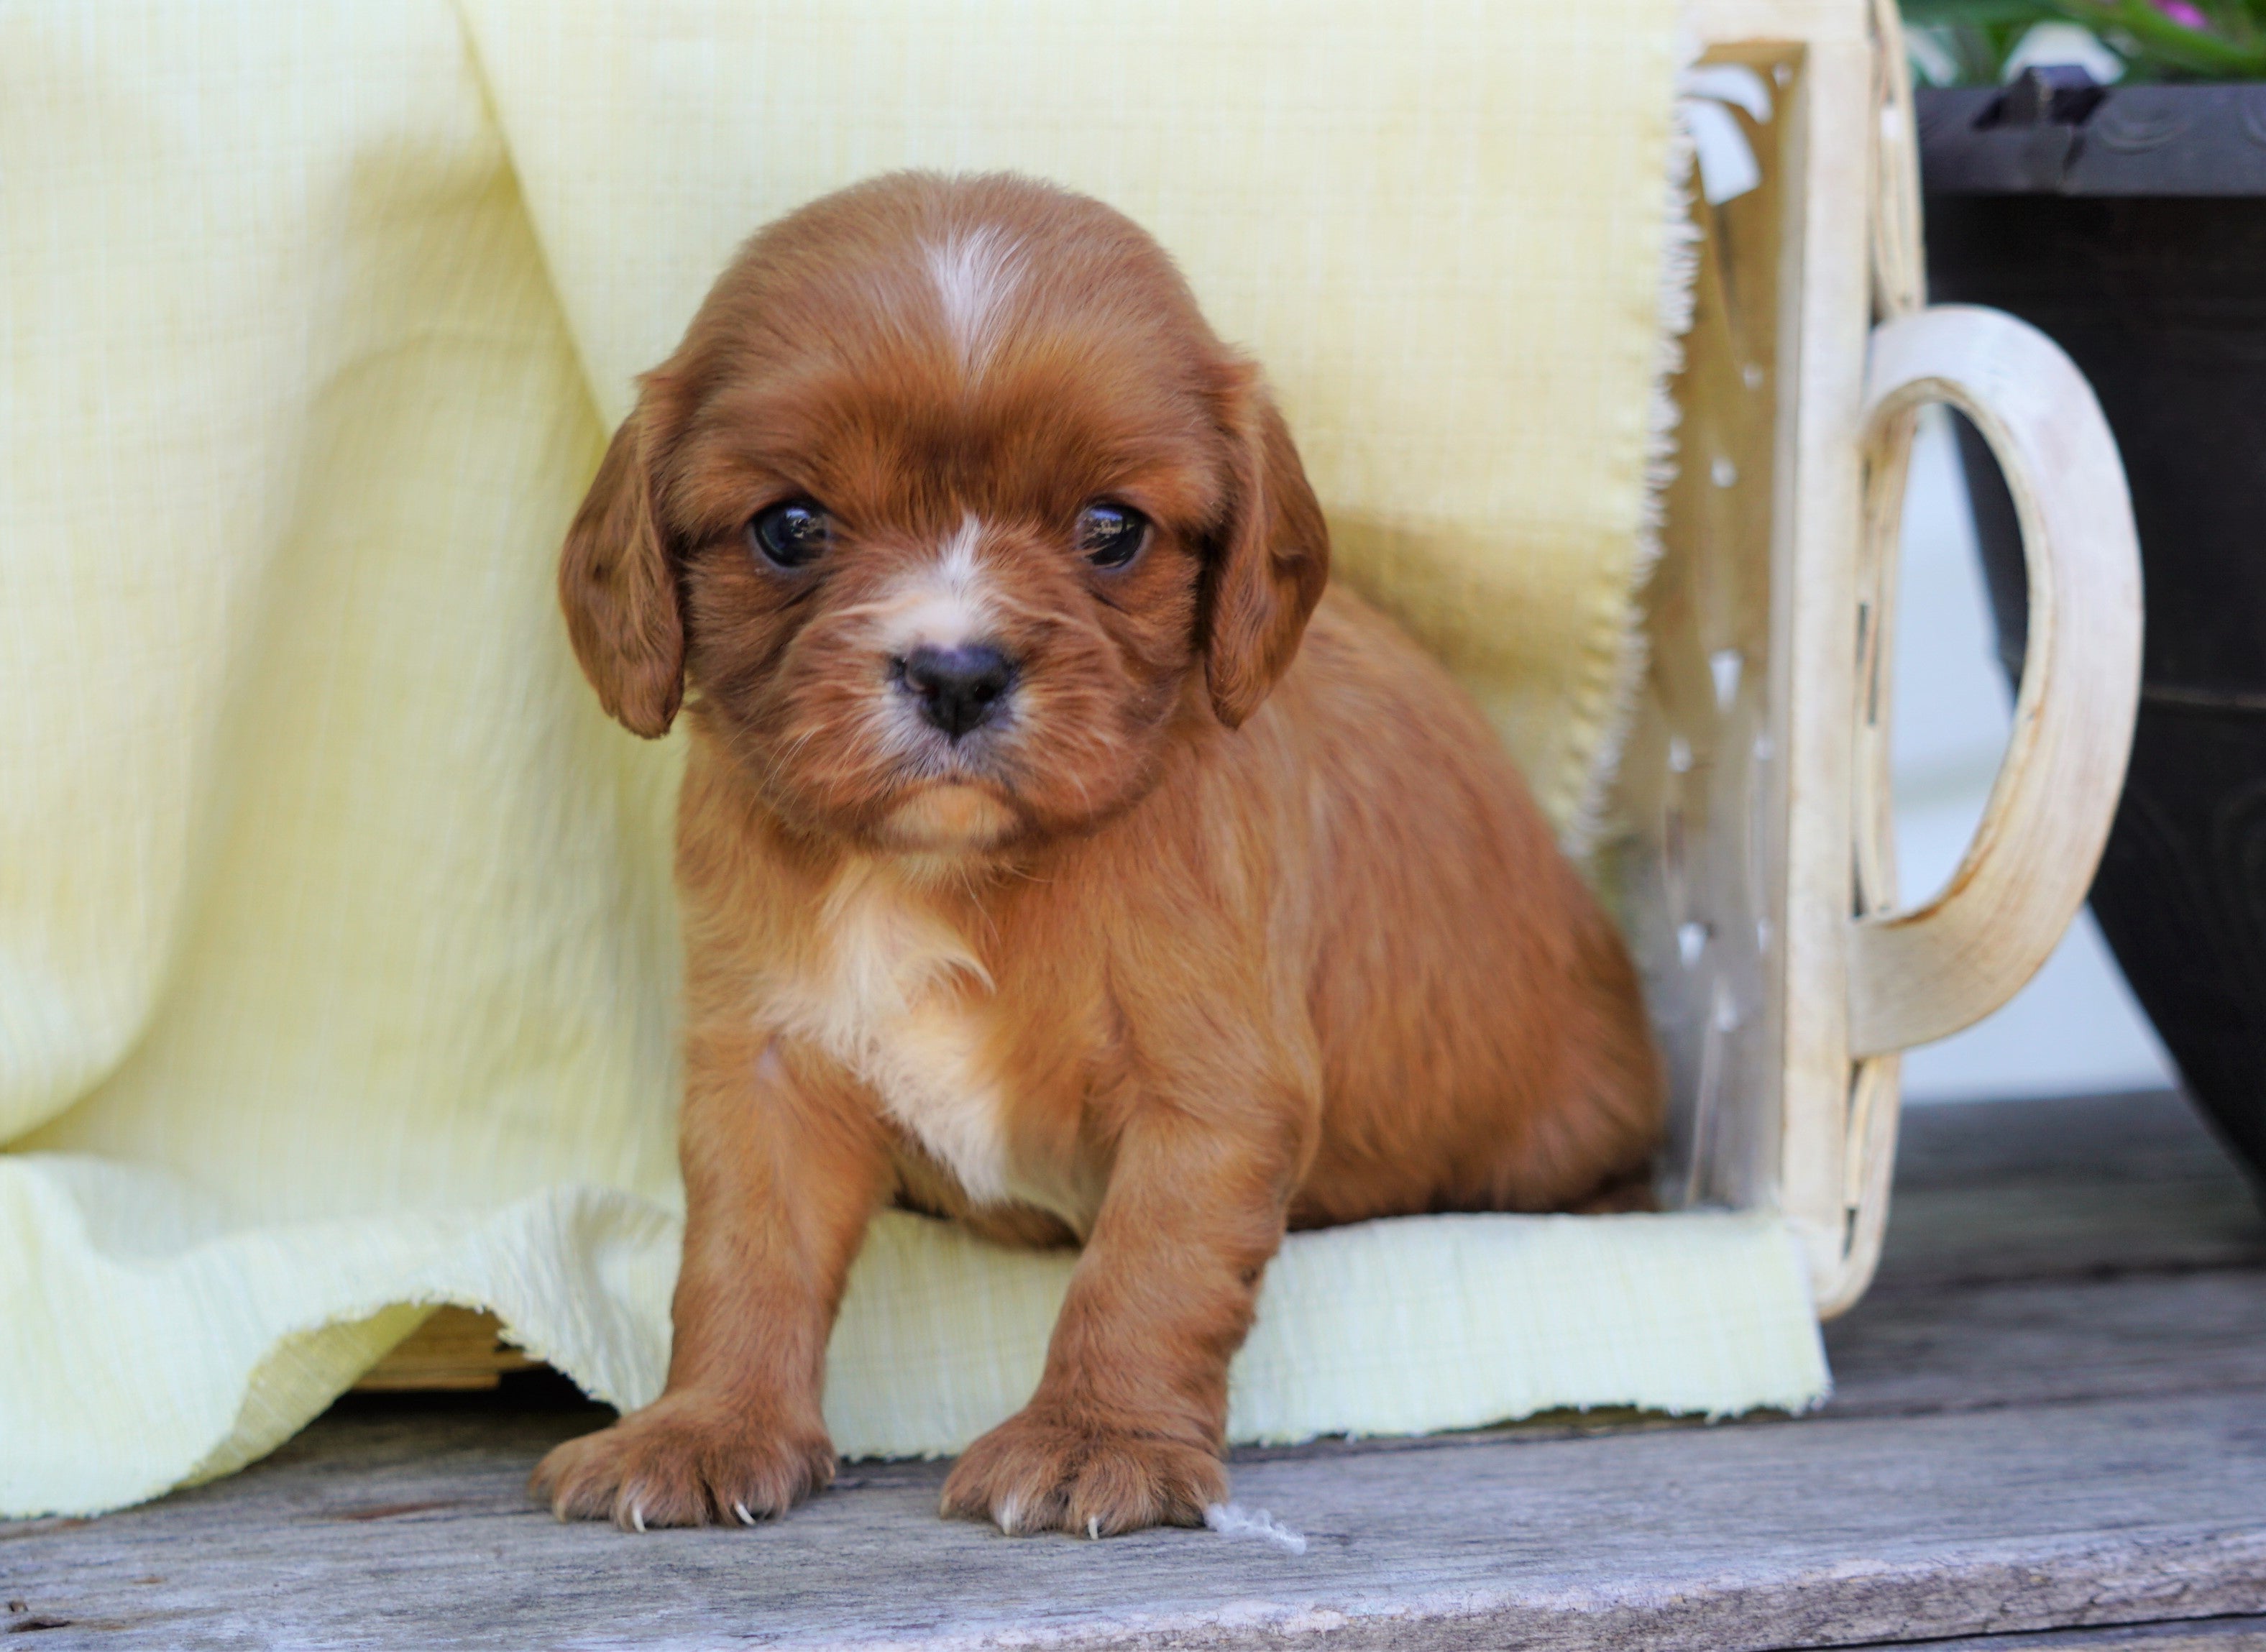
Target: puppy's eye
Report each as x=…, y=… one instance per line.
x=1111, y=535
x=793, y=534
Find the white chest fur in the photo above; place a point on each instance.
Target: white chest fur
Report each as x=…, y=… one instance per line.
x=897, y=997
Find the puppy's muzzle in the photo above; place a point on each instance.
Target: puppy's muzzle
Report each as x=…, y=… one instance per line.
x=959, y=690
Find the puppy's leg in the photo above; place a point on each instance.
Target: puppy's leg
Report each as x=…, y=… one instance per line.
x=1126, y=1425
x=782, y=1170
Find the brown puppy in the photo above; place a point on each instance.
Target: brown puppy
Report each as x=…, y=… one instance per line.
x=1034, y=873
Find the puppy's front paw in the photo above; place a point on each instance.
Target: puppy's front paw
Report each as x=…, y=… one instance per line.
x=1049, y=1469
x=687, y=1459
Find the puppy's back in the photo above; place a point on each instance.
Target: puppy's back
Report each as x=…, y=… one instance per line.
x=1483, y=1042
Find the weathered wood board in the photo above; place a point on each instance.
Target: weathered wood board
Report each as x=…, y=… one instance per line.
x=374, y=1534
x=2064, y=1188
x=2029, y=1435
x=2199, y=1634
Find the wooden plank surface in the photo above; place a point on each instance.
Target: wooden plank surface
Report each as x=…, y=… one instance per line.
x=1756, y=1536
x=2199, y=1634
x=2037, y=1344
x=2006, y=1455
x=455, y=1347
x=2066, y=1188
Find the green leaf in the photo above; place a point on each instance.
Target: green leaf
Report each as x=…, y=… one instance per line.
x=1978, y=12
x=2174, y=45
x=2234, y=48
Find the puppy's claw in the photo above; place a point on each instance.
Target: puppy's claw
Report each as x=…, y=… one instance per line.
x=684, y=1462
x=1046, y=1471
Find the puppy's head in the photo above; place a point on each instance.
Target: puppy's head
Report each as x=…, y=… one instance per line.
x=952, y=513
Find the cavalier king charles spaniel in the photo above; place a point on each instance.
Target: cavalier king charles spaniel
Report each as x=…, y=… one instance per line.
x=1057, y=855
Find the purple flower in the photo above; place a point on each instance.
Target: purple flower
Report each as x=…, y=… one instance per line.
x=2183, y=13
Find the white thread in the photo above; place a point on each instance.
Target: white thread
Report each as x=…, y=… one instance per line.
x=1232, y=1520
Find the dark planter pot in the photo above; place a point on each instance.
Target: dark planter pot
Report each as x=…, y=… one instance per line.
x=2130, y=226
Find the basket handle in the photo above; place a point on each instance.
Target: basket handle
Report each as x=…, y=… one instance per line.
x=1924, y=974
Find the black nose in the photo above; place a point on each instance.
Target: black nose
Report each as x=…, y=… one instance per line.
x=959, y=689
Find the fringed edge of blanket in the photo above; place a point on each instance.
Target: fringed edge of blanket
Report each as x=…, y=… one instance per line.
x=1677, y=298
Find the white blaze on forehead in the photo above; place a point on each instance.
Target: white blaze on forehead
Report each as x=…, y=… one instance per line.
x=974, y=274
x=948, y=604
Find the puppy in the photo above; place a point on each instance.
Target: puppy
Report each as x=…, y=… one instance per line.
x=1056, y=855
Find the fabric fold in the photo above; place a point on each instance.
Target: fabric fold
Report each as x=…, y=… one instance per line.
x=153, y=1343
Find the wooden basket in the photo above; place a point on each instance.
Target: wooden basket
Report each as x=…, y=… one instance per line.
x=1752, y=846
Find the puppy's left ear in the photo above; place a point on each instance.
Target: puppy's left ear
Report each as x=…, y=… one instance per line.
x=1271, y=559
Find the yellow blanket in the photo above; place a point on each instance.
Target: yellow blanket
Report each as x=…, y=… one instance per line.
x=336, y=944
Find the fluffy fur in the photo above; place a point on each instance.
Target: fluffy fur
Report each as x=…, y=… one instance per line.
x=1234, y=919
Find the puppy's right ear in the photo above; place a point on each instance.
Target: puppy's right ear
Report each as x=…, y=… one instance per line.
x=618, y=583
